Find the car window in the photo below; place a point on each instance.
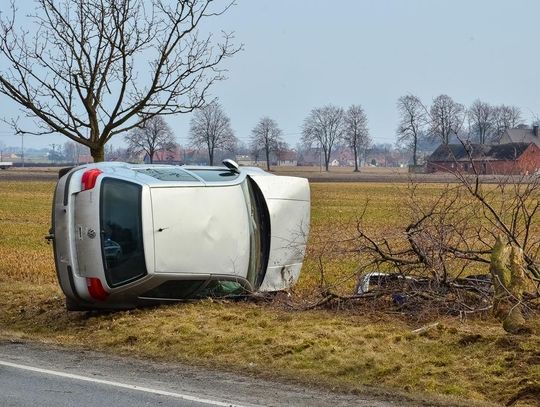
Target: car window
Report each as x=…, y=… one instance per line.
x=121, y=231
x=213, y=175
x=168, y=174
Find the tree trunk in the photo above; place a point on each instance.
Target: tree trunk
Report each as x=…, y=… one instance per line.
x=510, y=283
x=327, y=154
x=267, y=160
x=211, y=157
x=415, y=148
x=355, y=159
x=98, y=153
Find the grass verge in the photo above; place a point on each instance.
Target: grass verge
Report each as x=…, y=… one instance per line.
x=341, y=349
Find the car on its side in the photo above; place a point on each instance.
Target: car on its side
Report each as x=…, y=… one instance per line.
x=126, y=235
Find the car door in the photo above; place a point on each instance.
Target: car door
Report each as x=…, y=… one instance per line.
x=200, y=231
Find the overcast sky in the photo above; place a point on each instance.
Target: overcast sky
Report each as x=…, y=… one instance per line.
x=303, y=54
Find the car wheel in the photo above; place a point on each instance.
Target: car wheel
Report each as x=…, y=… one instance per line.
x=72, y=305
x=64, y=171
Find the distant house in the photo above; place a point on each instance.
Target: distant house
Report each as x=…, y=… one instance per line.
x=85, y=159
x=508, y=158
x=521, y=136
x=172, y=156
x=245, y=160
x=287, y=158
x=345, y=158
x=177, y=156
x=310, y=157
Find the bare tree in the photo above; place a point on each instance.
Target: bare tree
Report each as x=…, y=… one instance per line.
x=95, y=69
x=266, y=136
x=505, y=117
x=153, y=135
x=117, y=153
x=324, y=126
x=481, y=117
x=211, y=128
x=446, y=118
x=412, y=123
x=73, y=150
x=356, y=132
x=255, y=152
x=281, y=150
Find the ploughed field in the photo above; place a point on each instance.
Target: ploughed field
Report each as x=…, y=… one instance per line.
x=352, y=348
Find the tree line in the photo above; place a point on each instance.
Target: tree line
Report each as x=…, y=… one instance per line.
x=210, y=130
x=83, y=77
x=481, y=122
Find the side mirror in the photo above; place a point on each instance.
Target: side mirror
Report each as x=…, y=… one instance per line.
x=231, y=165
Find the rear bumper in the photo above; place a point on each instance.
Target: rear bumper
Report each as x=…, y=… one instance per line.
x=63, y=246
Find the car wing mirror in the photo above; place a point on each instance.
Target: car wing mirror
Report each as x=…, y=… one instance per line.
x=231, y=165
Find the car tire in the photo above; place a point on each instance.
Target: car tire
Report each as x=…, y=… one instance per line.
x=64, y=171
x=72, y=305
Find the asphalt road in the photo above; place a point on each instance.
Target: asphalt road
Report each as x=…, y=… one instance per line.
x=21, y=387
x=39, y=375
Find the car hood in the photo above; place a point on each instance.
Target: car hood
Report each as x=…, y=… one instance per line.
x=288, y=202
x=201, y=231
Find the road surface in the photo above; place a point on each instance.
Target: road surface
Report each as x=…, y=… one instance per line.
x=39, y=375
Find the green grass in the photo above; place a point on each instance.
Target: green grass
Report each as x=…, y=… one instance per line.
x=352, y=349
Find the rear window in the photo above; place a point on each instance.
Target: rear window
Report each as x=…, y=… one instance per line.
x=215, y=175
x=121, y=231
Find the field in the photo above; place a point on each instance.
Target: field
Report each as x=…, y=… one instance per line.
x=351, y=349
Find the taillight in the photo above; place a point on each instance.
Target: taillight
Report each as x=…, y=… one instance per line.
x=89, y=178
x=95, y=289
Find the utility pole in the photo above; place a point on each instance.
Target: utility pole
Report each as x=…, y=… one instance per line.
x=22, y=149
x=54, y=156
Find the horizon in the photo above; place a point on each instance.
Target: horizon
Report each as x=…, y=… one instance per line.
x=367, y=53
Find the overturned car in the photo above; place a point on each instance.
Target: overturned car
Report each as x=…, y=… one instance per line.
x=126, y=235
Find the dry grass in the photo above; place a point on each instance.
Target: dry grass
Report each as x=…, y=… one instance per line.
x=345, y=349
x=25, y=209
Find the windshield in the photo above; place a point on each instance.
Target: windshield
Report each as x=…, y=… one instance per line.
x=121, y=231
x=213, y=175
x=168, y=174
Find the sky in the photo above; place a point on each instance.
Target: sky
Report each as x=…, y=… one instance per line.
x=303, y=54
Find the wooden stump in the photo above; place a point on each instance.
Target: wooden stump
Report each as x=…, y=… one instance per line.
x=510, y=283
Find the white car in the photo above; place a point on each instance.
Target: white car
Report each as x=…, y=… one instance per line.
x=126, y=235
